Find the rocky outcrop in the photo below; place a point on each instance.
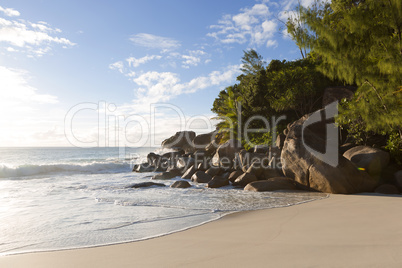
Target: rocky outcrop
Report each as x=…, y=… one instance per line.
x=225, y=153
x=310, y=158
x=164, y=176
x=234, y=175
x=271, y=173
x=370, y=159
x=336, y=94
x=182, y=139
x=200, y=142
x=244, y=179
x=217, y=182
x=153, y=158
x=387, y=189
x=274, y=157
x=261, y=149
x=201, y=177
x=280, y=140
x=185, y=162
x=175, y=171
x=213, y=171
x=398, y=179
x=273, y=184
x=257, y=169
x=344, y=147
x=144, y=167
x=145, y=184
x=189, y=173
x=246, y=159
x=214, y=144
x=180, y=184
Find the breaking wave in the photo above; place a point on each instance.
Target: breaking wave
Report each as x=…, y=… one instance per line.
x=64, y=168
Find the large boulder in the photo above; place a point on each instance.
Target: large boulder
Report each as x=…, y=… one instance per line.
x=172, y=156
x=344, y=147
x=153, y=158
x=387, y=189
x=257, y=168
x=182, y=139
x=309, y=156
x=164, y=176
x=214, y=144
x=336, y=94
x=200, y=156
x=274, y=157
x=144, y=167
x=180, y=184
x=175, y=171
x=161, y=162
x=201, y=177
x=398, y=179
x=271, y=173
x=185, y=162
x=145, y=184
x=244, y=179
x=370, y=159
x=246, y=159
x=189, y=172
x=217, y=182
x=273, y=184
x=261, y=149
x=280, y=140
x=234, y=175
x=225, y=153
x=200, y=142
x=213, y=171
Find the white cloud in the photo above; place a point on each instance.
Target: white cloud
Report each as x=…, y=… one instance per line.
x=118, y=66
x=192, y=59
x=172, y=59
x=19, y=34
x=9, y=12
x=272, y=43
x=36, y=39
x=157, y=87
x=134, y=62
x=17, y=92
x=251, y=24
x=256, y=25
x=24, y=110
x=154, y=41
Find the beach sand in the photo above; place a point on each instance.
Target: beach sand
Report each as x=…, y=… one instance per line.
x=339, y=231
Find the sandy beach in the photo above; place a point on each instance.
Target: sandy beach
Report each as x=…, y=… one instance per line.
x=339, y=231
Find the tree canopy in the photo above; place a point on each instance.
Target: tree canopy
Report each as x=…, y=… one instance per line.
x=350, y=42
x=360, y=42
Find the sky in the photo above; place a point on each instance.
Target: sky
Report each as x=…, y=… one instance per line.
x=132, y=73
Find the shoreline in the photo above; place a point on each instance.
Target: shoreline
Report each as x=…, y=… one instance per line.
x=225, y=214
x=340, y=230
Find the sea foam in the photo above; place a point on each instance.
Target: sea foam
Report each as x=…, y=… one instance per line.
x=63, y=168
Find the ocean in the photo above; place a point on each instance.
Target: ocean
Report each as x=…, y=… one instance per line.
x=63, y=198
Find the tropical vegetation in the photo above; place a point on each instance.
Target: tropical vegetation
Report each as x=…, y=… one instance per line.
x=342, y=42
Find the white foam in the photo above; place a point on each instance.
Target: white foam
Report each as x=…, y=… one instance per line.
x=90, y=168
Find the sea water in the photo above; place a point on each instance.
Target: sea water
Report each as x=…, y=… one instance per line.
x=62, y=198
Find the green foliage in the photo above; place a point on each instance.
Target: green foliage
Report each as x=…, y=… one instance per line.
x=394, y=146
x=257, y=138
x=296, y=86
x=282, y=88
x=360, y=42
x=298, y=29
x=227, y=107
x=252, y=62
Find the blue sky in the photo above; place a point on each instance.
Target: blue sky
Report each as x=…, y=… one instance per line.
x=59, y=60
